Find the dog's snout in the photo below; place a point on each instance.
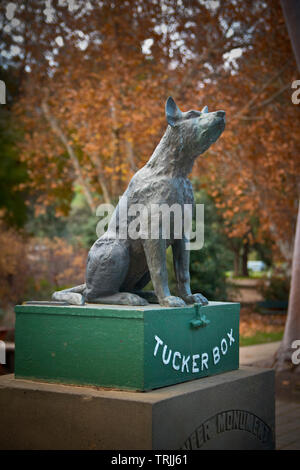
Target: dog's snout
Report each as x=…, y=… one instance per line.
x=220, y=114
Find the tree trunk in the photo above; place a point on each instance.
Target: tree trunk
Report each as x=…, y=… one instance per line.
x=101, y=180
x=236, y=263
x=245, y=260
x=283, y=358
x=116, y=152
x=130, y=155
x=291, y=11
x=62, y=137
x=285, y=246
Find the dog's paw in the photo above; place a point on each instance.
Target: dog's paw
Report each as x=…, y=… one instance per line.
x=172, y=301
x=196, y=299
x=133, y=299
x=70, y=297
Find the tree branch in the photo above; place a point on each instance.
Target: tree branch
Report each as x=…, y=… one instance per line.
x=272, y=97
x=62, y=137
x=250, y=103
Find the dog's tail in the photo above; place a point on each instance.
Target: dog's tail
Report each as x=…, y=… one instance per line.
x=74, y=295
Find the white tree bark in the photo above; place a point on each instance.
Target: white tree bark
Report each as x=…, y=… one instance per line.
x=292, y=327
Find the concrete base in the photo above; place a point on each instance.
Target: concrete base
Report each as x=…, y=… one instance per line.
x=234, y=410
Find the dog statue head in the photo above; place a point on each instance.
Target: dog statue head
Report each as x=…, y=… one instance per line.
x=197, y=130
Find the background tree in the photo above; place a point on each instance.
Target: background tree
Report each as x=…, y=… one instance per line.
x=12, y=171
x=93, y=78
x=254, y=171
x=292, y=327
x=96, y=77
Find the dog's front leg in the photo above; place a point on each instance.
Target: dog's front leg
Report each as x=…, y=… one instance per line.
x=181, y=260
x=155, y=251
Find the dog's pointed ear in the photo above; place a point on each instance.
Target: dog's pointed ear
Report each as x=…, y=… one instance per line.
x=204, y=110
x=173, y=113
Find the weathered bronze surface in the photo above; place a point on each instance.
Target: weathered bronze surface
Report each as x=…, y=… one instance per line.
x=119, y=268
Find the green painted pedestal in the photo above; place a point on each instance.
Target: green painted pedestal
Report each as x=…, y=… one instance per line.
x=135, y=348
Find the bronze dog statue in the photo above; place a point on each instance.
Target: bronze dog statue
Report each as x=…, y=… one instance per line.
x=119, y=268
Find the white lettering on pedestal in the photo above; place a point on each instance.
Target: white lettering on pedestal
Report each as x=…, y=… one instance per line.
x=204, y=360
x=159, y=342
x=164, y=359
x=224, y=346
x=195, y=367
x=191, y=363
x=185, y=363
x=231, y=338
x=216, y=355
x=176, y=354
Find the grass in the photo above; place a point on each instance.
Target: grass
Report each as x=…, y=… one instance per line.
x=261, y=337
x=252, y=275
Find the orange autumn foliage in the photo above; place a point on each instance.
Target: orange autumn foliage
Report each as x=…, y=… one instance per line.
x=104, y=93
x=55, y=261
x=50, y=263
x=13, y=266
x=254, y=171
